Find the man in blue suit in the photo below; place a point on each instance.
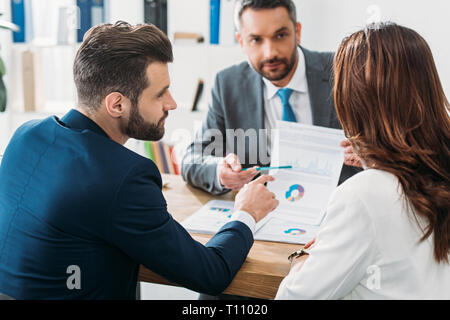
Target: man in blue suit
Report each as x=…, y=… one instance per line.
x=79, y=212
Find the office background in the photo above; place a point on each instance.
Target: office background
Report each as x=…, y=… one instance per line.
x=325, y=23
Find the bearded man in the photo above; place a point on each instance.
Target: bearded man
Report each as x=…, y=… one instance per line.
x=280, y=80
x=79, y=212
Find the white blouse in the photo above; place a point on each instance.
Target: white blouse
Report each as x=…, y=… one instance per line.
x=368, y=248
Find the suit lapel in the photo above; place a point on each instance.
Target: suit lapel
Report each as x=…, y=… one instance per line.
x=252, y=90
x=252, y=116
x=318, y=88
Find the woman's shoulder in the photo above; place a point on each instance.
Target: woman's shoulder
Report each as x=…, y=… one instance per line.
x=371, y=185
x=369, y=178
x=367, y=198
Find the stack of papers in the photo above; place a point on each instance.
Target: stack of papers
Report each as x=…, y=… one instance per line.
x=303, y=191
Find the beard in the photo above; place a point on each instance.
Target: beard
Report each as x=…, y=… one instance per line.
x=138, y=128
x=286, y=67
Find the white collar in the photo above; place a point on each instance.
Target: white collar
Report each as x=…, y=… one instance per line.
x=298, y=82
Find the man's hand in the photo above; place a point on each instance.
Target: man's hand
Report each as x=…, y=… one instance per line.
x=256, y=199
x=350, y=158
x=230, y=174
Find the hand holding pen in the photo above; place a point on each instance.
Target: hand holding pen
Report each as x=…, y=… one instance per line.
x=231, y=175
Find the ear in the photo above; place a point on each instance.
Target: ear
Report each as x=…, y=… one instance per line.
x=298, y=32
x=239, y=39
x=115, y=104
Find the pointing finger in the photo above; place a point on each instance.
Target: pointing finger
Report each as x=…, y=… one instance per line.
x=263, y=179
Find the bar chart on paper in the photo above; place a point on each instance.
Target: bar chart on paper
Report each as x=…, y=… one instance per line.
x=211, y=217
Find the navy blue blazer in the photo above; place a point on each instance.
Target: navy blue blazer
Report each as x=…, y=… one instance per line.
x=71, y=196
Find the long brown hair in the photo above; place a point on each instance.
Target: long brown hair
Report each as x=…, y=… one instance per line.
x=393, y=109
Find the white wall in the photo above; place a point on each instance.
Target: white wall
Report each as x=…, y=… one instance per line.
x=131, y=11
x=327, y=22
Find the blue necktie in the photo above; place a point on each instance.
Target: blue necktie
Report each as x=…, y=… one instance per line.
x=288, y=113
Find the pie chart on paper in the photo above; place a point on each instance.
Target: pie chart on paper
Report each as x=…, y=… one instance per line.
x=295, y=231
x=295, y=193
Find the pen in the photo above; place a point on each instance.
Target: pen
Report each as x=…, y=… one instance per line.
x=269, y=168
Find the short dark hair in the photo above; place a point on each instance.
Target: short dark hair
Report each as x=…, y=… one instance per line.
x=241, y=5
x=114, y=58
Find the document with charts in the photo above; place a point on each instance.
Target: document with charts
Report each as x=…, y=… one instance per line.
x=216, y=213
x=211, y=217
x=316, y=159
x=303, y=191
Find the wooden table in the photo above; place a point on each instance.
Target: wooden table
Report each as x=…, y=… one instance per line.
x=265, y=266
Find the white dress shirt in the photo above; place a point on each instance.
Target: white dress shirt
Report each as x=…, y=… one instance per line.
x=368, y=248
x=245, y=218
x=299, y=99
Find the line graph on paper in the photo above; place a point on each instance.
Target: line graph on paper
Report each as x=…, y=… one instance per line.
x=314, y=166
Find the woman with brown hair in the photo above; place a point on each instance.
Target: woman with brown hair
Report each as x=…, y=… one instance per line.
x=387, y=230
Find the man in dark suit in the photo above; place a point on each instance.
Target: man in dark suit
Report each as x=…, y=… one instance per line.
x=79, y=212
x=280, y=81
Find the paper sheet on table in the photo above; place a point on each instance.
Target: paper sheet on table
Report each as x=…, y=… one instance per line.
x=216, y=213
x=210, y=218
x=280, y=230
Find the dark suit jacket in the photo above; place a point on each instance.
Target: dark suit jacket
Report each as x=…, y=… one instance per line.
x=70, y=196
x=238, y=103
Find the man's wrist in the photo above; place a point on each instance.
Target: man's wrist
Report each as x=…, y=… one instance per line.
x=217, y=182
x=245, y=218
